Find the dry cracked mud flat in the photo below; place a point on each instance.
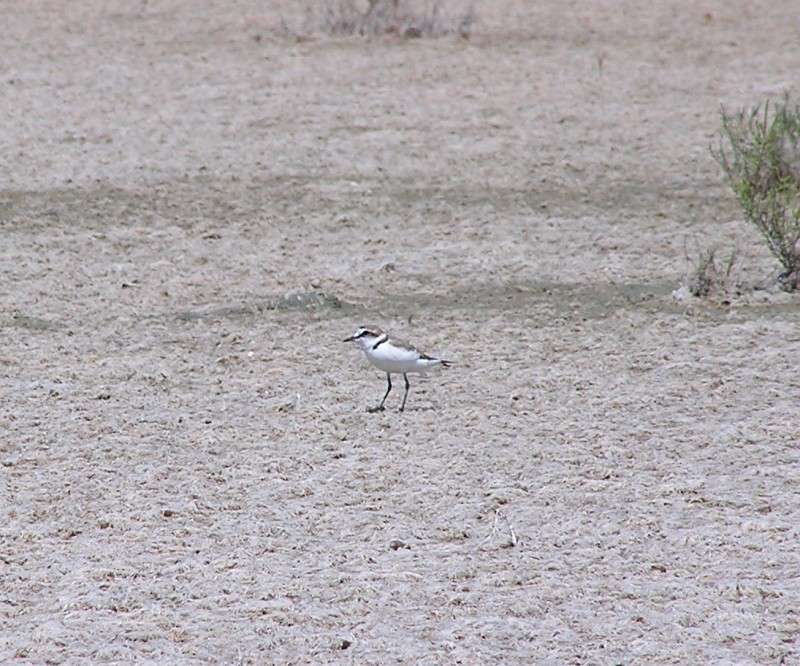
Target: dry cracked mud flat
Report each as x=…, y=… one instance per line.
x=197, y=208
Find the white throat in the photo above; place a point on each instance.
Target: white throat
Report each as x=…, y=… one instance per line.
x=368, y=342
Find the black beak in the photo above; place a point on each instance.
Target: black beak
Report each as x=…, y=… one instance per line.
x=350, y=339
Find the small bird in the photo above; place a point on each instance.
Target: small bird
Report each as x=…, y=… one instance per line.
x=393, y=357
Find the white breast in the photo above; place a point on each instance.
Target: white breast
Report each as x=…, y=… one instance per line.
x=391, y=358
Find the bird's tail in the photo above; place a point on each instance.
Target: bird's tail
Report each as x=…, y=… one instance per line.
x=446, y=364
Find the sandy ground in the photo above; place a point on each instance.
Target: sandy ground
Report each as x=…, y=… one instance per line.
x=196, y=208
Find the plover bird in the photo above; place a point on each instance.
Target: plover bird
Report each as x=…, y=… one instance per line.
x=393, y=357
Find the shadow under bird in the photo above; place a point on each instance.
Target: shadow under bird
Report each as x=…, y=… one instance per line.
x=393, y=356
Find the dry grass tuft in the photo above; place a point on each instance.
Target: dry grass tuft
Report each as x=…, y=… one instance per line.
x=715, y=279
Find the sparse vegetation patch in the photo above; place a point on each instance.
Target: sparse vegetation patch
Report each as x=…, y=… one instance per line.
x=406, y=18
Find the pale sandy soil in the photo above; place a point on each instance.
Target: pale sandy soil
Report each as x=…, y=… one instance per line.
x=608, y=475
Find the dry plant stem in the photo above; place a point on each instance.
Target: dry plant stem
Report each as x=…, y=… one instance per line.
x=512, y=540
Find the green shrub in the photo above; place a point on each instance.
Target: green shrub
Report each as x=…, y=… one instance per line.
x=759, y=152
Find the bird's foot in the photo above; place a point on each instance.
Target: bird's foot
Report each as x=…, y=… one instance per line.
x=373, y=410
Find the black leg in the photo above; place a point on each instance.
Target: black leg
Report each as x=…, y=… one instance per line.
x=405, y=395
x=379, y=408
